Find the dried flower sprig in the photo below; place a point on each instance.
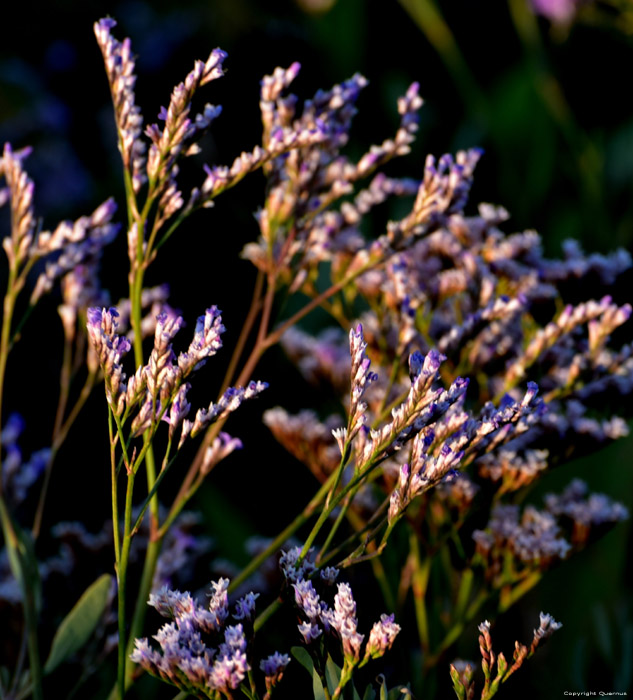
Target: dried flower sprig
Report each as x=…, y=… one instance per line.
x=462, y=673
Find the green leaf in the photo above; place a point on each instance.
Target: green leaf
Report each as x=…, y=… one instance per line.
x=77, y=627
x=370, y=693
x=304, y=658
x=317, y=687
x=383, y=687
x=23, y=562
x=332, y=674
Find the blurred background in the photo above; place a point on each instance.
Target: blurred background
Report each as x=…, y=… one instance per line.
x=540, y=85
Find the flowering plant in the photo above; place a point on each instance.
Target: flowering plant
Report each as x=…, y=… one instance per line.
x=464, y=373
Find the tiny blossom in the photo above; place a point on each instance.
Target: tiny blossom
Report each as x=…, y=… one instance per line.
x=219, y=603
x=310, y=631
x=274, y=666
x=307, y=598
x=382, y=636
x=288, y=565
x=245, y=607
x=329, y=575
x=119, y=64
x=180, y=408
x=547, y=627
x=221, y=447
x=171, y=603
x=109, y=349
x=234, y=640
x=360, y=378
x=228, y=672
x=230, y=401
x=206, y=341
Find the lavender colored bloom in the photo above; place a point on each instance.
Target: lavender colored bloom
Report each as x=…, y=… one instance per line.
x=219, y=603
x=309, y=631
x=221, y=447
x=230, y=401
x=558, y=11
x=109, y=349
x=307, y=598
x=160, y=376
x=361, y=377
x=274, y=666
x=546, y=628
x=234, y=641
x=292, y=571
x=119, y=64
x=382, y=636
x=20, y=186
x=228, y=672
x=329, y=575
x=206, y=341
x=170, y=603
x=180, y=408
x=245, y=607
x=345, y=622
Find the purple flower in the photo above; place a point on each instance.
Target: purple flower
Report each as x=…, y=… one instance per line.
x=245, y=607
x=382, y=636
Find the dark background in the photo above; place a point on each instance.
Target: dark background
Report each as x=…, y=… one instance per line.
x=549, y=105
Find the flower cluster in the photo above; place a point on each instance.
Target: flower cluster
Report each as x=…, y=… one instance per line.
x=462, y=672
x=512, y=544
x=159, y=389
x=186, y=661
x=340, y=620
x=66, y=249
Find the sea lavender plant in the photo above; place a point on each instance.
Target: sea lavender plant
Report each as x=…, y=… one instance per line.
x=463, y=369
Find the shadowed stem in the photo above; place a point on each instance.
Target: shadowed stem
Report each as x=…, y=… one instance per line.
x=59, y=436
x=11, y=540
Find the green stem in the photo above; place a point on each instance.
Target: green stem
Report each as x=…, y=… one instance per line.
x=264, y=616
x=122, y=584
x=138, y=617
x=509, y=598
x=419, y=585
x=7, y=317
x=114, y=494
x=59, y=436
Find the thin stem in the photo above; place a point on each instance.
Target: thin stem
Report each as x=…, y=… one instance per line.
x=254, y=309
x=419, y=585
x=511, y=595
x=115, y=500
x=138, y=617
x=7, y=317
x=122, y=584
x=59, y=436
x=264, y=616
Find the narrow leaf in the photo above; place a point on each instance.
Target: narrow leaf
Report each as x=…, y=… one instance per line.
x=370, y=693
x=304, y=658
x=317, y=686
x=77, y=627
x=332, y=674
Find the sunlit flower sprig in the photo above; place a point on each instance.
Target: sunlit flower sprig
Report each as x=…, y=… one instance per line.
x=495, y=667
